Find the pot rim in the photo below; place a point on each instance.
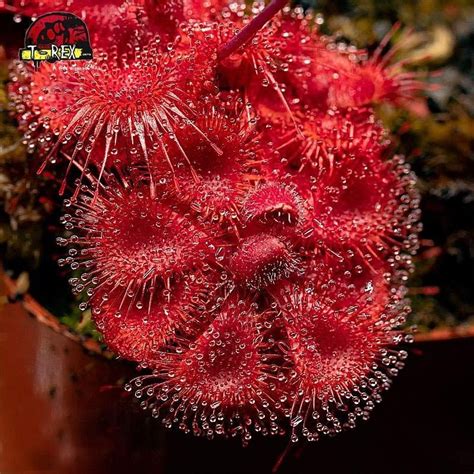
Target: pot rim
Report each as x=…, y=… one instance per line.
x=42, y=315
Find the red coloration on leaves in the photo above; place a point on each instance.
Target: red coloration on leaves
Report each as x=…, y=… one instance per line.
x=112, y=107
x=379, y=79
x=261, y=66
x=32, y=7
x=346, y=79
x=241, y=226
x=328, y=142
x=339, y=353
x=203, y=9
x=110, y=24
x=278, y=204
x=136, y=337
x=225, y=382
x=262, y=259
x=371, y=209
x=212, y=171
x=131, y=242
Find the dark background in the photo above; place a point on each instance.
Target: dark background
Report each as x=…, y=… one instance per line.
x=62, y=410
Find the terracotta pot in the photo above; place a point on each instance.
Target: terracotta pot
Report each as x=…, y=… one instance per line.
x=63, y=409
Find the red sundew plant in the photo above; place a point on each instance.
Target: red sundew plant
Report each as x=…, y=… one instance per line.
x=378, y=78
x=212, y=176
x=203, y=9
x=225, y=381
x=135, y=244
x=341, y=360
x=115, y=108
x=140, y=338
x=237, y=218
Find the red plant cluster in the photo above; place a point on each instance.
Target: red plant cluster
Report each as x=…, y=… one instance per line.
x=241, y=226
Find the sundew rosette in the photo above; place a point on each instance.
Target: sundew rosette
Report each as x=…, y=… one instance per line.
x=236, y=215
